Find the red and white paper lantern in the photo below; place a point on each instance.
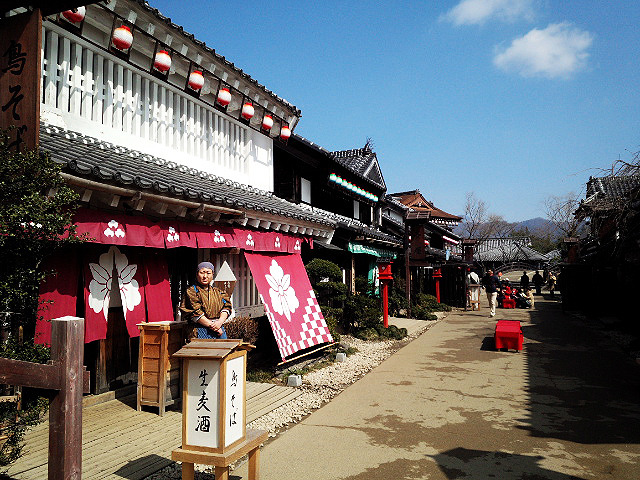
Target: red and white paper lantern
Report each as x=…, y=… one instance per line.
x=196, y=80
x=162, y=61
x=248, y=111
x=76, y=15
x=285, y=132
x=267, y=122
x=122, y=38
x=224, y=96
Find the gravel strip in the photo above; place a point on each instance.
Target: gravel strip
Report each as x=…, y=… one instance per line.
x=318, y=388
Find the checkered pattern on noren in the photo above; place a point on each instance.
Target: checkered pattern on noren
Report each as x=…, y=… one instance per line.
x=284, y=342
x=314, y=329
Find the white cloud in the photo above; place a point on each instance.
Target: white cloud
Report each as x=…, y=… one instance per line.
x=477, y=12
x=558, y=51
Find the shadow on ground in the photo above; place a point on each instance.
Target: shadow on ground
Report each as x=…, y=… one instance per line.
x=582, y=386
x=461, y=463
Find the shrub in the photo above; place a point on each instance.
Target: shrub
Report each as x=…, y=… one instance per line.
x=35, y=219
x=430, y=303
x=364, y=286
x=360, y=312
x=331, y=316
x=319, y=270
x=326, y=280
x=397, y=298
x=422, y=313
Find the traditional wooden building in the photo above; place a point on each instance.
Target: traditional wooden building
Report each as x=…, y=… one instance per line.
x=346, y=187
x=429, y=242
x=602, y=266
x=171, y=148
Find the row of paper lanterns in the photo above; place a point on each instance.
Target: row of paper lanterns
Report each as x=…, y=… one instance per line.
x=122, y=39
x=350, y=186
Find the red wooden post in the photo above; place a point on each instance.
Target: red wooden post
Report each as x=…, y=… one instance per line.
x=385, y=276
x=65, y=411
x=437, y=275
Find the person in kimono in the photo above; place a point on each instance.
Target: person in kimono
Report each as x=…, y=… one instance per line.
x=206, y=306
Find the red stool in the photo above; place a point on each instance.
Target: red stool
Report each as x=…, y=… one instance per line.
x=508, y=303
x=508, y=335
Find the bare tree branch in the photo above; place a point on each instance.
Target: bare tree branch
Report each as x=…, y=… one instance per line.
x=560, y=212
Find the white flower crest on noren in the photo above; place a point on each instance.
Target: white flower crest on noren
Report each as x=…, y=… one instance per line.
x=250, y=241
x=277, y=242
x=283, y=296
x=173, y=236
x=129, y=288
x=114, y=230
x=218, y=237
x=297, y=245
x=100, y=285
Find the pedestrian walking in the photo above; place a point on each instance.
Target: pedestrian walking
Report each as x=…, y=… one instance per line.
x=473, y=289
x=537, y=282
x=491, y=284
x=524, y=281
x=552, y=283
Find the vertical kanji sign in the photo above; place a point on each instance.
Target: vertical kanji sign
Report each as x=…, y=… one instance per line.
x=203, y=401
x=20, y=45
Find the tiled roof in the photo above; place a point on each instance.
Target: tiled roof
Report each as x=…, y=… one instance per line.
x=395, y=202
x=144, y=4
x=374, y=176
x=355, y=225
x=501, y=243
x=362, y=161
x=612, y=187
x=104, y=162
x=510, y=253
x=414, y=200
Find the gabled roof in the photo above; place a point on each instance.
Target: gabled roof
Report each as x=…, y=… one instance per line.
x=362, y=161
x=372, y=175
x=416, y=202
x=110, y=164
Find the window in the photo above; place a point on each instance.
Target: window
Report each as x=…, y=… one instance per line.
x=305, y=190
x=356, y=209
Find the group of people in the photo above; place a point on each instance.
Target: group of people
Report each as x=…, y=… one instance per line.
x=498, y=289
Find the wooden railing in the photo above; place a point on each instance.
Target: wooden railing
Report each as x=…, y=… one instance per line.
x=81, y=80
x=66, y=378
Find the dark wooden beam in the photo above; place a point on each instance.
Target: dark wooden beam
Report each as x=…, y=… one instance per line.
x=27, y=374
x=46, y=7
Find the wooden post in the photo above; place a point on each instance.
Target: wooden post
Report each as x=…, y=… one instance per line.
x=65, y=411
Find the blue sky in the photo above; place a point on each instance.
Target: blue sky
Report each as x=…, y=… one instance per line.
x=513, y=100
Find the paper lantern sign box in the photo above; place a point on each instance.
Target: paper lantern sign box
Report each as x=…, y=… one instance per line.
x=214, y=414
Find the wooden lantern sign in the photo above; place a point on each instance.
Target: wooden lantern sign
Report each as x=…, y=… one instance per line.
x=225, y=279
x=214, y=394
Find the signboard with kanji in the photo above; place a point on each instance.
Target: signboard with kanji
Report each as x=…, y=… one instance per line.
x=203, y=401
x=214, y=394
x=20, y=45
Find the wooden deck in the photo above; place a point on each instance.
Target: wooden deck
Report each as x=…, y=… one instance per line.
x=120, y=442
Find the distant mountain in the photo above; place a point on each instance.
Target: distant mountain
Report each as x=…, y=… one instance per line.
x=535, y=225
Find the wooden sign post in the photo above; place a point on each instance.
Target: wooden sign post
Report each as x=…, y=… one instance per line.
x=20, y=45
x=68, y=379
x=214, y=430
